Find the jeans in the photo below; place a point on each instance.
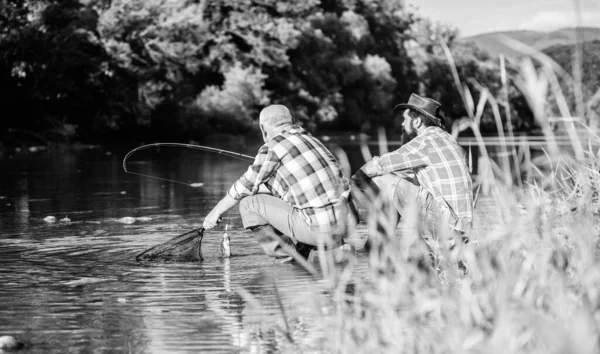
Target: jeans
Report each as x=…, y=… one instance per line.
x=408, y=198
x=265, y=209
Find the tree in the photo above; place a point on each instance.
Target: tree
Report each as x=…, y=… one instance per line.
x=58, y=75
x=349, y=66
x=182, y=52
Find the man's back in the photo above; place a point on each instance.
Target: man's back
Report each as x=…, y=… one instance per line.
x=309, y=177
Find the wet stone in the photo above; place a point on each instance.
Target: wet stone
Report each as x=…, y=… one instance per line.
x=10, y=343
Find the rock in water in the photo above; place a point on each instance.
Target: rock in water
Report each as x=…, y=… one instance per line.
x=50, y=219
x=10, y=343
x=225, y=248
x=126, y=220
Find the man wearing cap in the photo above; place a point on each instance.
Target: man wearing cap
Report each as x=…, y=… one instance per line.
x=429, y=171
x=294, y=195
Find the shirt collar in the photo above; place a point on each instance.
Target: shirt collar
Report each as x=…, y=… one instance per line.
x=293, y=129
x=431, y=129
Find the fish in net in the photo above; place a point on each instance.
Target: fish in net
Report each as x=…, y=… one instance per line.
x=183, y=248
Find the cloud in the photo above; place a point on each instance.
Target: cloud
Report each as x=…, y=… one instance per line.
x=552, y=20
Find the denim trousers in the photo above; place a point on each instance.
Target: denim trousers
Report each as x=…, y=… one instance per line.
x=408, y=198
x=265, y=209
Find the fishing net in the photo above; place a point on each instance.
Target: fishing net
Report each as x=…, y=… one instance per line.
x=183, y=248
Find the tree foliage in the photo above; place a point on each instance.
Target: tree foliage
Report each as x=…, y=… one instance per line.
x=58, y=77
x=192, y=67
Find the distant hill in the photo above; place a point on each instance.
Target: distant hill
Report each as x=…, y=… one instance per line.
x=492, y=43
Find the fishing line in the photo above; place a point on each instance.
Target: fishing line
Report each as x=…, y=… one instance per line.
x=174, y=181
x=227, y=217
x=232, y=154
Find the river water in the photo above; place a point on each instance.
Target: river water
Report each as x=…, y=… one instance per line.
x=73, y=285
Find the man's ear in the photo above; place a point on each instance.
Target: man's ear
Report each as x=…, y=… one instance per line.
x=417, y=122
x=264, y=132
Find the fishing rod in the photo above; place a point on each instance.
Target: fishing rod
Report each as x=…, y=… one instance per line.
x=191, y=146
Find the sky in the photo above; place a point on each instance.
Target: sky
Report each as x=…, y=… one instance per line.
x=479, y=16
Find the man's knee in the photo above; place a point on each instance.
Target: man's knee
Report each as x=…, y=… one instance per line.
x=405, y=194
x=246, y=205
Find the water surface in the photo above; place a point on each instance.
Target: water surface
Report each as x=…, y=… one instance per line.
x=74, y=286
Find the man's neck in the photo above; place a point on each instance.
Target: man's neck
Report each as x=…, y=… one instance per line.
x=422, y=129
x=278, y=130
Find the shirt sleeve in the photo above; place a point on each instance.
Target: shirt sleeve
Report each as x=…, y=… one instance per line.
x=408, y=156
x=264, y=166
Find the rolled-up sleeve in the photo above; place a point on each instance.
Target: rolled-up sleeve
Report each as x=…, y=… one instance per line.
x=408, y=156
x=264, y=166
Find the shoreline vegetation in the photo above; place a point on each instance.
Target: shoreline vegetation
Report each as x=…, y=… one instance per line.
x=106, y=71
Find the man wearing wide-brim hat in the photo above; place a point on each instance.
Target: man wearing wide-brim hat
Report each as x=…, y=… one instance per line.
x=427, y=176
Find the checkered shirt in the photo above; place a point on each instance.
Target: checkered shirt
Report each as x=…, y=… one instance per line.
x=440, y=166
x=297, y=168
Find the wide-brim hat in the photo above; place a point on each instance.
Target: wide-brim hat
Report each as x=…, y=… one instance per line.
x=427, y=106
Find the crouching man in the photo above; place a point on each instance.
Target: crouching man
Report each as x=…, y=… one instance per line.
x=428, y=172
x=305, y=204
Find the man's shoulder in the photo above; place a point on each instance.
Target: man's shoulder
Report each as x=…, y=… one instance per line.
x=294, y=130
x=437, y=133
x=284, y=141
x=431, y=138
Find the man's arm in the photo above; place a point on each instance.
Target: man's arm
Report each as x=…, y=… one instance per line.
x=250, y=183
x=408, y=156
x=213, y=218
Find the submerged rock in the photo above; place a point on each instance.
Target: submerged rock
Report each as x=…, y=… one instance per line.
x=50, y=219
x=126, y=220
x=10, y=343
x=130, y=220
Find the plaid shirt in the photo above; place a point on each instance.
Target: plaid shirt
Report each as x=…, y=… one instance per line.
x=441, y=168
x=297, y=168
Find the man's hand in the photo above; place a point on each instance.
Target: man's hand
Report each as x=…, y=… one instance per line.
x=360, y=180
x=211, y=220
x=370, y=168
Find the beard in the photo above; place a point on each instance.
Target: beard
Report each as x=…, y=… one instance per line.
x=408, y=136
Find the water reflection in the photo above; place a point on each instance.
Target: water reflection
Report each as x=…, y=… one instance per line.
x=22, y=203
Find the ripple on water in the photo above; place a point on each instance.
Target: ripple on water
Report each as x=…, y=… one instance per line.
x=93, y=282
